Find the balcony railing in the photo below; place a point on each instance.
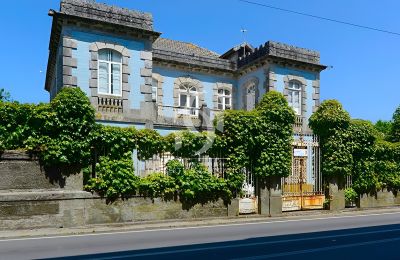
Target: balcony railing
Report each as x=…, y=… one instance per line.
x=298, y=123
x=110, y=105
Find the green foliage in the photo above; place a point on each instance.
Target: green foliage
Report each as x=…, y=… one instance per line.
x=395, y=130
x=384, y=129
x=194, y=185
x=197, y=185
x=63, y=139
x=158, y=185
x=148, y=143
x=350, y=195
x=186, y=144
x=357, y=148
x=337, y=159
x=115, y=178
x=113, y=142
x=329, y=118
x=261, y=139
x=331, y=122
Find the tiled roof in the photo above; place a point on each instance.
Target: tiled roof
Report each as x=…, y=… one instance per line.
x=183, y=48
x=188, y=53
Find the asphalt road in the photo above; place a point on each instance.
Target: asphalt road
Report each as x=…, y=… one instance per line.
x=375, y=236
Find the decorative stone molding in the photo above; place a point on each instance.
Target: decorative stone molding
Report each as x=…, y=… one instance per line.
x=68, y=62
x=249, y=83
x=160, y=94
x=316, y=94
x=303, y=83
x=271, y=80
x=188, y=80
x=93, y=66
x=216, y=87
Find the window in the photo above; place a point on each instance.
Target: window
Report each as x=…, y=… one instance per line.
x=154, y=90
x=110, y=72
x=188, y=99
x=251, y=97
x=224, y=99
x=294, y=96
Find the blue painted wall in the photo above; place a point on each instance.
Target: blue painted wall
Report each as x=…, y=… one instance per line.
x=281, y=72
x=260, y=75
x=208, y=81
x=84, y=38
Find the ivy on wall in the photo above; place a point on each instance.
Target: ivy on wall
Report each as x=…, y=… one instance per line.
x=261, y=139
x=358, y=148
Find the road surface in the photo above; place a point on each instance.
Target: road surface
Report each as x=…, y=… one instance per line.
x=373, y=236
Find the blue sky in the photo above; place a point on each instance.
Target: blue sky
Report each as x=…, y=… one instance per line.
x=365, y=63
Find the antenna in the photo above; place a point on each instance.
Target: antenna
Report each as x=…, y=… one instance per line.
x=244, y=31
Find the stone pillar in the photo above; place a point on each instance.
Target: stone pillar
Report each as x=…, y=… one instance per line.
x=204, y=116
x=233, y=208
x=336, y=193
x=270, y=196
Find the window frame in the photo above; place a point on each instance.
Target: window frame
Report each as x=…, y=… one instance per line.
x=154, y=90
x=109, y=63
x=223, y=97
x=254, y=87
x=188, y=93
x=290, y=92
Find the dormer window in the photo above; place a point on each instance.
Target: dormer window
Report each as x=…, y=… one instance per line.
x=110, y=72
x=294, y=96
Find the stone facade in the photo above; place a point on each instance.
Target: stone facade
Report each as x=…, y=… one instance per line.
x=146, y=56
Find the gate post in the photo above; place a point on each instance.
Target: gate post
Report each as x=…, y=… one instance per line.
x=336, y=193
x=270, y=196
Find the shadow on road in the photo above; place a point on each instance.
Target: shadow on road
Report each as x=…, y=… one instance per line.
x=377, y=242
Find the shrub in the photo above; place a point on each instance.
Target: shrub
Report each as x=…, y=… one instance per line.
x=115, y=178
x=157, y=185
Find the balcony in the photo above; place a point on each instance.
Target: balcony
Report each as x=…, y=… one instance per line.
x=110, y=105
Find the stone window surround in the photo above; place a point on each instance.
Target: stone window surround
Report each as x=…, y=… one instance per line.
x=303, y=83
x=216, y=87
x=160, y=82
x=93, y=66
x=250, y=82
x=192, y=81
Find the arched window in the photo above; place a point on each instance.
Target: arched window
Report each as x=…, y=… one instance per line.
x=188, y=99
x=224, y=99
x=154, y=90
x=110, y=72
x=294, y=96
x=251, y=97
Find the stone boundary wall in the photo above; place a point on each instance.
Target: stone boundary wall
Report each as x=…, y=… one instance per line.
x=56, y=209
x=383, y=198
x=30, y=197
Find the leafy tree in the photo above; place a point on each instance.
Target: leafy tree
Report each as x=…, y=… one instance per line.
x=395, y=130
x=260, y=140
x=331, y=123
x=329, y=118
x=384, y=129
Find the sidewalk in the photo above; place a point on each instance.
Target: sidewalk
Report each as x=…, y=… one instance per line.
x=154, y=225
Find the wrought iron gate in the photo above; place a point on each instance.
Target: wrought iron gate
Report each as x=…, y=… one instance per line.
x=303, y=188
x=249, y=202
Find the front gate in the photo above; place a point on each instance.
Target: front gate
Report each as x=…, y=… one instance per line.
x=303, y=188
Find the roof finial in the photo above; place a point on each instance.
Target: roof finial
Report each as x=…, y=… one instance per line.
x=244, y=31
